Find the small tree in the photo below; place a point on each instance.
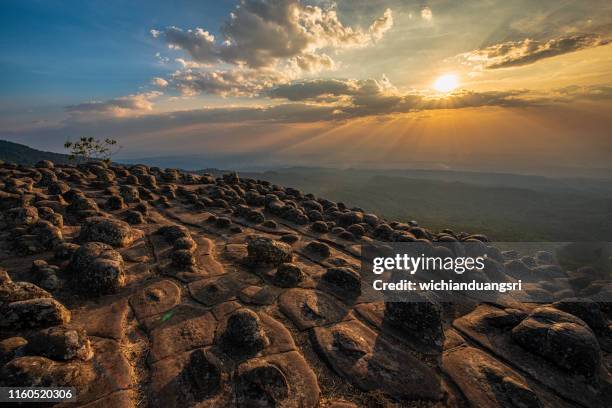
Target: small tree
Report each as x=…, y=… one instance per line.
x=88, y=148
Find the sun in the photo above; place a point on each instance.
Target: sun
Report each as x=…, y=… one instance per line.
x=446, y=83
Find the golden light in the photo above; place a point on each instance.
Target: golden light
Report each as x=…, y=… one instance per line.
x=446, y=83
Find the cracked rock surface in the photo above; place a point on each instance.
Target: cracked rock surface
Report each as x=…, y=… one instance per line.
x=151, y=287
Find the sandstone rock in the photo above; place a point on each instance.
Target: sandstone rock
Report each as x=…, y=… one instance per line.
x=561, y=338
x=183, y=328
x=40, y=312
x=185, y=243
x=65, y=250
x=289, y=238
x=47, y=234
x=115, y=202
x=16, y=291
x=372, y=363
x=280, y=380
x=488, y=383
x=318, y=248
x=420, y=319
x=39, y=372
x=244, y=333
x=130, y=194
x=134, y=217
x=320, y=227
x=270, y=224
x=585, y=309
x=44, y=164
x=60, y=343
x=183, y=258
x=11, y=348
x=344, y=280
x=266, y=251
x=107, y=230
x=349, y=218
x=58, y=187
x=309, y=308
x=173, y=232
x=288, y=275
x=97, y=268
x=213, y=291
x=21, y=216
x=82, y=204
x=155, y=299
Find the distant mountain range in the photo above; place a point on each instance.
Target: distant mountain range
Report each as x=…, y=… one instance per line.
x=21, y=154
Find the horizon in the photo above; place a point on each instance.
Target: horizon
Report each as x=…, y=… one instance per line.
x=277, y=83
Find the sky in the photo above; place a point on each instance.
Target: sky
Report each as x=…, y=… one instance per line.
x=488, y=85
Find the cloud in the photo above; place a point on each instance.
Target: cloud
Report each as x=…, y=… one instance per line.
x=198, y=43
x=118, y=107
x=355, y=98
x=381, y=25
x=260, y=33
x=236, y=82
x=311, y=62
x=426, y=13
x=519, y=53
x=159, y=82
x=591, y=93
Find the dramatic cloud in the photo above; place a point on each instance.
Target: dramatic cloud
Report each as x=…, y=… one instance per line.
x=353, y=98
x=310, y=62
x=519, y=53
x=123, y=106
x=197, y=43
x=262, y=33
x=236, y=82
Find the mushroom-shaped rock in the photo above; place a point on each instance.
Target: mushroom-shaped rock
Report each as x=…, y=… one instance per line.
x=183, y=258
x=288, y=275
x=82, y=204
x=318, y=248
x=185, y=243
x=36, y=371
x=65, y=250
x=202, y=374
x=244, y=333
x=344, y=279
x=266, y=251
x=16, y=291
x=173, y=232
x=98, y=268
x=349, y=218
x=419, y=320
x=279, y=380
x=261, y=386
x=60, y=343
x=21, y=216
x=320, y=226
x=370, y=362
x=47, y=234
x=110, y=231
x=560, y=338
x=40, y=312
x=130, y=194
x=11, y=348
x=486, y=382
x=134, y=217
x=585, y=309
x=44, y=164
